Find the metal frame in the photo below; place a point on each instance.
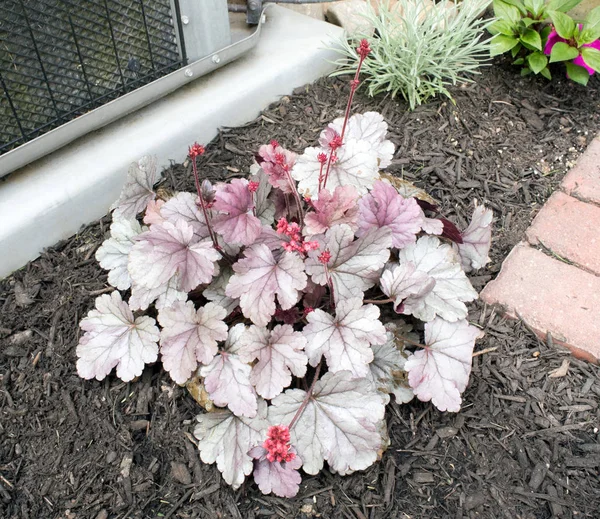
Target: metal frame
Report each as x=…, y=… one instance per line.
x=114, y=110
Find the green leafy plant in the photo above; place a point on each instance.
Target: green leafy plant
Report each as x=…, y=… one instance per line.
x=420, y=48
x=522, y=29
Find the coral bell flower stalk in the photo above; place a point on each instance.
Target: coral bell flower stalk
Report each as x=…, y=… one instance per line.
x=363, y=51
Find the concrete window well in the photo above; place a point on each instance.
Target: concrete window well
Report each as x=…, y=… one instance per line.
x=68, y=176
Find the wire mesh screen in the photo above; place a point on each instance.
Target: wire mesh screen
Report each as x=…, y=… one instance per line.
x=62, y=58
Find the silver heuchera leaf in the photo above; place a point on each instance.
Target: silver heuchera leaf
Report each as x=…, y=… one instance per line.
x=477, y=238
x=440, y=371
x=215, y=292
x=259, y=277
x=227, y=377
x=113, y=254
x=138, y=189
x=345, y=340
x=190, y=336
x=354, y=265
x=264, y=206
x=452, y=289
x=283, y=479
x=227, y=439
x=340, y=424
x=114, y=338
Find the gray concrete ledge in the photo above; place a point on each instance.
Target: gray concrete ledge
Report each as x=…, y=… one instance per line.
x=50, y=199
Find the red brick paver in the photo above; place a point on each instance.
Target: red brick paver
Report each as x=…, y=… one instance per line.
x=569, y=228
x=583, y=181
x=550, y=296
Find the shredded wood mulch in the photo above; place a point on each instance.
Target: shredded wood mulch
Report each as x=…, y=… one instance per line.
x=525, y=445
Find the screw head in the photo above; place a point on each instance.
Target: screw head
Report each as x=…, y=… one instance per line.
x=216, y=59
x=253, y=5
x=185, y=20
x=188, y=72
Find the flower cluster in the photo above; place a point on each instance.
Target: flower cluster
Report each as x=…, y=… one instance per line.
x=277, y=444
x=296, y=243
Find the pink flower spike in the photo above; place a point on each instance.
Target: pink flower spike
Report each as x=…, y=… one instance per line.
x=196, y=150
x=324, y=257
x=322, y=158
x=363, y=49
x=274, y=143
x=277, y=444
x=252, y=186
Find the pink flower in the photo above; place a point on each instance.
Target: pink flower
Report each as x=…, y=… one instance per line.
x=554, y=38
x=277, y=444
x=276, y=162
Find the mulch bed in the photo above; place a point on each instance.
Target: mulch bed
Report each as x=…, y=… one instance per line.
x=525, y=445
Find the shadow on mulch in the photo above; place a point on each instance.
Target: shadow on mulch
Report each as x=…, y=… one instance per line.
x=525, y=445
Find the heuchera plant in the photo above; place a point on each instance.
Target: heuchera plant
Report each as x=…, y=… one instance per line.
x=522, y=29
x=269, y=291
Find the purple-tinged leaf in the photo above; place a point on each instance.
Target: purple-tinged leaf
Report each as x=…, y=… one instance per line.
x=354, y=266
x=385, y=207
x=440, y=371
x=167, y=249
x=226, y=439
x=340, y=423
x=280, y=353
x=164, y=295
x=235, y=221
x=432, y=226
x=356, y=165
x=345, y=340
x=275, y=161
x=189, y=337
x=138, y=189
x=280, y=478
x=332, y=209
x=369, y=127
x=452, y=289
x=227, y=377
x=183, y=206
x=259, y=277
x=215, y=292
x=114, y=338
x=477, y=238
x=404, y=280
x=113, y=254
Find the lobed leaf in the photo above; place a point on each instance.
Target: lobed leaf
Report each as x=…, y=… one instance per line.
x=190, y=336
x=168, y=249
x=440, y=371
x=345, y=339
x=236, y=221
x=282, y=479
x=227, y=439
x=354, y=265
x=113, y=254
x=340, y=423
x=259, y=277
x=332, y=209
x=385, y=207
x=114, y=338
x=138, y=189
x=477, y=239
x=452, y=288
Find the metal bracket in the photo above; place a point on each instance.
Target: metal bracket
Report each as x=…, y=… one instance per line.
x=204, y=27
x=254, y=12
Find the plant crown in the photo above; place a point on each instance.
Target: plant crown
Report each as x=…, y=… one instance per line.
x=264, y=296
x=522, y=29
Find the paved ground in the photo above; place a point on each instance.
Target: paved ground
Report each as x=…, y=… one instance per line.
x=551, y=279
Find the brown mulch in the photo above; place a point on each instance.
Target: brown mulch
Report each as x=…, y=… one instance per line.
x=525, y=445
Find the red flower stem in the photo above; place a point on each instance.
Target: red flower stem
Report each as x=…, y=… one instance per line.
x=353, y=87
x=206, y=218
x=330, y=285
x=320, y=177
x=306, y=398
x=377, y=301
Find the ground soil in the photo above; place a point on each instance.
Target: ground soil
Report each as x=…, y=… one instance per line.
x=524, y=446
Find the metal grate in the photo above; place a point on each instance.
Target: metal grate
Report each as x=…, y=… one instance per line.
x=62, y=58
